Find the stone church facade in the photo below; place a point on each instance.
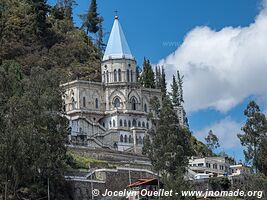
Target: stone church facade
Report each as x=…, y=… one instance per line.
x=112, y=113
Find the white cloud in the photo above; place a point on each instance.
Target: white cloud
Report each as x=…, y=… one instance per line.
x=226, y=130
x=224, y=67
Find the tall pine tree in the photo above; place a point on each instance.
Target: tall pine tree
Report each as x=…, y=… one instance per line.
x=163, y=84
x=91, y=19
x=180, y=88
x=100, y=36
x=169, y=148
x=148, y=77
x=174, y=92
x=255, y=130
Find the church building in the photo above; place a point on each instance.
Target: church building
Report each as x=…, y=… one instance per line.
x=113, y=113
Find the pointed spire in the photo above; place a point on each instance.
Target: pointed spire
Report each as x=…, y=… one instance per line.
x=117, y=46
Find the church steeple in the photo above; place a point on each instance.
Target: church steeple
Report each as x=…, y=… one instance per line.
x=117, y=47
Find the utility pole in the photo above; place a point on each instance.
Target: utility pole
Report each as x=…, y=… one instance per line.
x=130, y=181
x=48, y=190
x=6, y=190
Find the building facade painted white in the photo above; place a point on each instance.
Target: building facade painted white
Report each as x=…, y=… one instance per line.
x=217, y=166
x=112, y=113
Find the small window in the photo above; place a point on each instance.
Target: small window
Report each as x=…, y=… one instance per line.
x=119, y=74
x=73, y=103
x=125, y=138
x=125, y=123
x=147, y=125
x=134, y=122
x=143, y=124
x=103, y=124
x=139, y=124
x=117, y=102
x=121, y=138
x=129, y=123
x=120, y=122
x=133, y=102
x=114, y=123
x=145, y=108
x=84, y=102
x=110, y=124
x=115, y=75
x=140, y=140
x=96, y=103
x=131, y=76
x=128, y=75
x=130, y=139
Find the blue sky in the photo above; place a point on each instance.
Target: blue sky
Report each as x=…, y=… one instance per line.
x=185, y=35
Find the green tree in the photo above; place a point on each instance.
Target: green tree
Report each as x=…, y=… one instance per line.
x=32, y=133
x=91, y=19
x=66, y=6
x=174, y=92
x=148, y=77
x=100, y=36
x=180, y=88
x=212, y=141
x=169, y=147
x=262, y=156
x=157, y=79
x=170, y=142
x=255, y=130
x=40, y=10
x=163, y=84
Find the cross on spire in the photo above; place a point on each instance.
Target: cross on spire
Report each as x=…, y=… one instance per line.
x=116, y=14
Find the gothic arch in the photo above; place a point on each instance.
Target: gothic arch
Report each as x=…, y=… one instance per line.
x=116, y=102
x=114, y=94
x=134, y=93
x=134, y=103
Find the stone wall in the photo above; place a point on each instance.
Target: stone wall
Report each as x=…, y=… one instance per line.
x=114, y=180
x=116, y=158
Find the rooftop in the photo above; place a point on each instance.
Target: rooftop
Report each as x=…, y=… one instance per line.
x=117, y=46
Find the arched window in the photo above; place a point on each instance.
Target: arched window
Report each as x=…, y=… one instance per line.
x=120, y=122
x=73, y=103
x=119, y=74
x=107, y=77
x=115, y=75
x=133, y=102
x=84, y=102
x=110, y=124
x=128, y=75
x=125, y=138
x=139, y=124
x=147, y=125
x=129, y=123
x=143, y=124
x=114, y=123
x=134, y=122
x=130, y=139
x=145, y=107
x=121, y=138
x=140, y=140
x=131, y=76
x=117, y=102
x=96, y=103
x=104, y=124
x=125, y=123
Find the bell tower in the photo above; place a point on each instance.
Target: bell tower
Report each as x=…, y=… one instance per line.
x=118, y=64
